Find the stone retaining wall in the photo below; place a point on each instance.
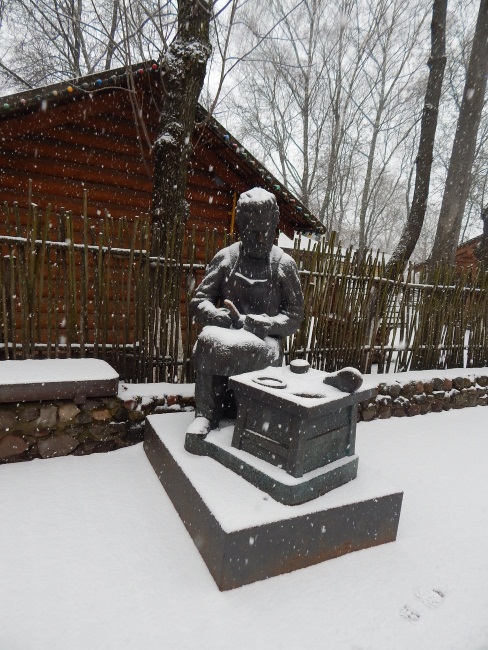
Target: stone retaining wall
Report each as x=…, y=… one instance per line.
x=46, y=429
x=420, y=397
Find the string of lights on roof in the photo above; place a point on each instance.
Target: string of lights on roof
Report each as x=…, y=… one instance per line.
x=264, y=173
x=119, y=80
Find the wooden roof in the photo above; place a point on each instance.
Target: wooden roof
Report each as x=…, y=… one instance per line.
x=83, y=133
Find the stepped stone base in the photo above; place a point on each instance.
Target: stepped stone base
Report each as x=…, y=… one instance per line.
x=242, y=534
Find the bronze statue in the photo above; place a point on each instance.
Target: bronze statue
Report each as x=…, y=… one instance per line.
x=249, y=299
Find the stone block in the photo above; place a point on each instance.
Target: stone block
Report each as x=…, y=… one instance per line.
x=437, y=406
x=394, y=390
x=447, y=384
x=419, y=387
x=101, y=415
x=67, y=412
x=112, y=402
x=130, y=404
x=56, y=446
x=12, y=445
x=438, y=384
x=368, y=413
x=482, y=400
x=136, y=416
x=91, y=447
x=398, y=412
x=467, y=382
x=47, y=417
x=92, y=404
x=482, y=380
x=459, y=400
x=471, y=395
x=408, y=389
x=188, y=400
x=412, y=409
x=428, y=386
x=121, y=415
x=8, y=419
x=425, y=408
x=84, y=418
x=384, y=412
x=27, y=412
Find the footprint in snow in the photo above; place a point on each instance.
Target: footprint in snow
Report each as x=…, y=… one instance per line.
x=409, y=614
x=429, y=597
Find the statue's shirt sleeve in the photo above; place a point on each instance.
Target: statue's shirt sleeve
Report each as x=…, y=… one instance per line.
x=203, y=306
x=290, y=315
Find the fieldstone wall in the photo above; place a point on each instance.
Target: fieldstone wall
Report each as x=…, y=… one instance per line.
x=31, y=430
x=47, y=429
x=420, y=397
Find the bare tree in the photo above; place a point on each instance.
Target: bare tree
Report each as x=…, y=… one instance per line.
x=47, y=42
x=310, y=104
x=464, y=148
x=388, y=88
x=436, y=63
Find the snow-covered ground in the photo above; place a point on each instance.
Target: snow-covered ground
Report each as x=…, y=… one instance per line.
x=93, y=556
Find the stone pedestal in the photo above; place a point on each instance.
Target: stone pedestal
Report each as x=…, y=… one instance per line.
x=244, y=535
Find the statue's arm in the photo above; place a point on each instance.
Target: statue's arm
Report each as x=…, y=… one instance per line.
x=291, y=311
x=203, y=307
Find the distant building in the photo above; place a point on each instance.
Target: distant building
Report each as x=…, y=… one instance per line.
x=466, y=253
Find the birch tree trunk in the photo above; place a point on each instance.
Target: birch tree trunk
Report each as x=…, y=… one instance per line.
x=463, y=151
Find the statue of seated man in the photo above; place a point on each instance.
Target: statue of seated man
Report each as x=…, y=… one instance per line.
x=249, y=299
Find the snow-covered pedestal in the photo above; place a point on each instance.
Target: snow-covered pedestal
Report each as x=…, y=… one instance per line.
x=244, y=535
x=29, y=380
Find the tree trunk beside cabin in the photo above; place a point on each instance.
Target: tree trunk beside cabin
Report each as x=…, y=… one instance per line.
x=423, y=163
x=183, y=69
x=463, y=151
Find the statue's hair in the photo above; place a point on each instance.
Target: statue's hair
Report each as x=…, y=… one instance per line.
x=256, y=200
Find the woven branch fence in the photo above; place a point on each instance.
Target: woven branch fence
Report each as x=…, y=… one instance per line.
x=71, y=287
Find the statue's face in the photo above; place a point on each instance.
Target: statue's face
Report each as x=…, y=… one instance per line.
x=257, y=229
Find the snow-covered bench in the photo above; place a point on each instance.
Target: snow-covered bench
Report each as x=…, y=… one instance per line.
x=56, y=379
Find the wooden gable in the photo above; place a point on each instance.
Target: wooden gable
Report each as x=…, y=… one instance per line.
x=94, y=136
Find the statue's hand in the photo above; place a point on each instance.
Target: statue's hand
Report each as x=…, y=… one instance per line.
x=221, y=317
x=258, y=324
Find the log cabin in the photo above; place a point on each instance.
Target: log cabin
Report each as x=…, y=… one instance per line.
x=83, y=147
x=95, y=133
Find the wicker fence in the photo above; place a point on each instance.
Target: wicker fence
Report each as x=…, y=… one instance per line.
x=71, y=287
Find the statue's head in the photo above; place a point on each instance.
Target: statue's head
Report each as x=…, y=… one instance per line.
x=257, y=217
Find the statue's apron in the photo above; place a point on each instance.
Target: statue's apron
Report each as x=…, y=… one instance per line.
x=226, y=352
